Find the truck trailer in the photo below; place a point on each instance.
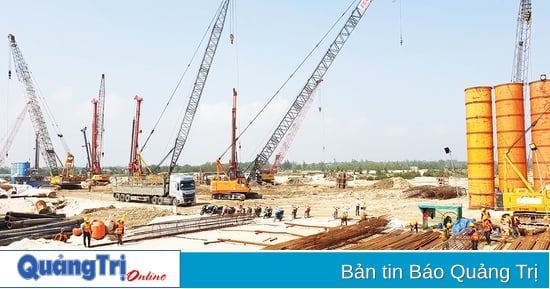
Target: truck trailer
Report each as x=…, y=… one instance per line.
x=179, y=190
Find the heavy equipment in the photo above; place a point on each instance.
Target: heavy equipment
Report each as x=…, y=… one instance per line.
x=232, y=185
x=176, y=188
x=302, y=98
x=143, y=185
x=530, y=204
x=65, y=178
x=35, y=112
x=268, y=176
x=520, y=66
x=95, y=173
x=13, y=132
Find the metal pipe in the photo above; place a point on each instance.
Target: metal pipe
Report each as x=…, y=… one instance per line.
x=32, y=215
x=29, y=222
x=39, y=228
x=35, y=234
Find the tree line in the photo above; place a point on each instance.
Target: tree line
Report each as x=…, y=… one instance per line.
x=406, y=169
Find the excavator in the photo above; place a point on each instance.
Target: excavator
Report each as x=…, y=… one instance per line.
x=233, y=185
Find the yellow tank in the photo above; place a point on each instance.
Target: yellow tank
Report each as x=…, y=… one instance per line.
x=479, y=139
x=510, y=125
x=540, y=133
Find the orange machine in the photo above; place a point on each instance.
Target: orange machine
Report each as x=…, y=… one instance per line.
x=232, y=186
x=226, y=187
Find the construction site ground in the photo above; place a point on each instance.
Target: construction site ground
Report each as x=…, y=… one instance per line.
x=384, y=198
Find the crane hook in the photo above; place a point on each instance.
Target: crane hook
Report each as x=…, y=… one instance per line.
x=231, y=38
x=9, y=74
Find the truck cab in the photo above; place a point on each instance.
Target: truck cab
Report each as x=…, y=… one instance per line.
x=182, y=189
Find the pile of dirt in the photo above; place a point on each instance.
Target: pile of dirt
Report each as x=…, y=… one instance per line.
x=134, y=216
x=297, y=181
x=391, y=183
x=434, y=192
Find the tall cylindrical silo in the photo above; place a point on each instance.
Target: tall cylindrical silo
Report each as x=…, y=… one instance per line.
x=479, y=140
x=510, y=125
x=539, y=92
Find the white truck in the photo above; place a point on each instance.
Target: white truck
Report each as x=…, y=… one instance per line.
x=179, y=190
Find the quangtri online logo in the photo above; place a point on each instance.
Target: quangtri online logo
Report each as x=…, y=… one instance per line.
x=92, y=268
x=29, y=267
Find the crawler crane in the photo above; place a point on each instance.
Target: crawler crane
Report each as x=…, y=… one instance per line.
x=302, y=98
x=176, y=188
x=35, y=112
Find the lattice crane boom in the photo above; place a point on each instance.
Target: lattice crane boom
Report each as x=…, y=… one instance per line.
x=198, y=87
x=523, y=40
x=35, y=112
x=309, y=87
x=13, y=133
x=97, y=128
x=291, y=134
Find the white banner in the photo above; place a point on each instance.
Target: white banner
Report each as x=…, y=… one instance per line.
x=89, y=268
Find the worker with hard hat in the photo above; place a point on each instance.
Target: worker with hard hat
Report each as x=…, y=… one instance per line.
x=485, y=213
x=414, y=226
x=487, y=229
x=86, y=228
x=506, y=223
x=474, y=235
x=446, y=234
x=514, y=225
x=119, y=230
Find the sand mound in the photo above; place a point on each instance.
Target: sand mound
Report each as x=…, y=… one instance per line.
x=392, y=183
x=135, y=216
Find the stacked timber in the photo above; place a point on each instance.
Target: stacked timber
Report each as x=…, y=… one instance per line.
x=17, y=226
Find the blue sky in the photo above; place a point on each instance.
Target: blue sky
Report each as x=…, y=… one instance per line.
x=379, y=101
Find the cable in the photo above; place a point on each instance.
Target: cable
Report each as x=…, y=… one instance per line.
x=400, y=23
x=292, y=74
x=181, y=78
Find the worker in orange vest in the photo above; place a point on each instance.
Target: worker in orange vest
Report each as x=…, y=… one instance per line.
x=487, y=229
x=119, y=230
x=86, y=228
x=474, y=235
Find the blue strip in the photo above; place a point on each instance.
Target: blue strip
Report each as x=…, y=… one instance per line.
x=364, y=269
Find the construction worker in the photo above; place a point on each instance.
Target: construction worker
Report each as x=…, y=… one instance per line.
x=119, y=230
x=86, y=228
x=344, y=217
x=474, y=235
x=506, y=224
x=484, y=213
x=514, y=225
x=363, y=215
x=357, y=206
x=447, y=231
x=414, y=226
x=487, y=229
